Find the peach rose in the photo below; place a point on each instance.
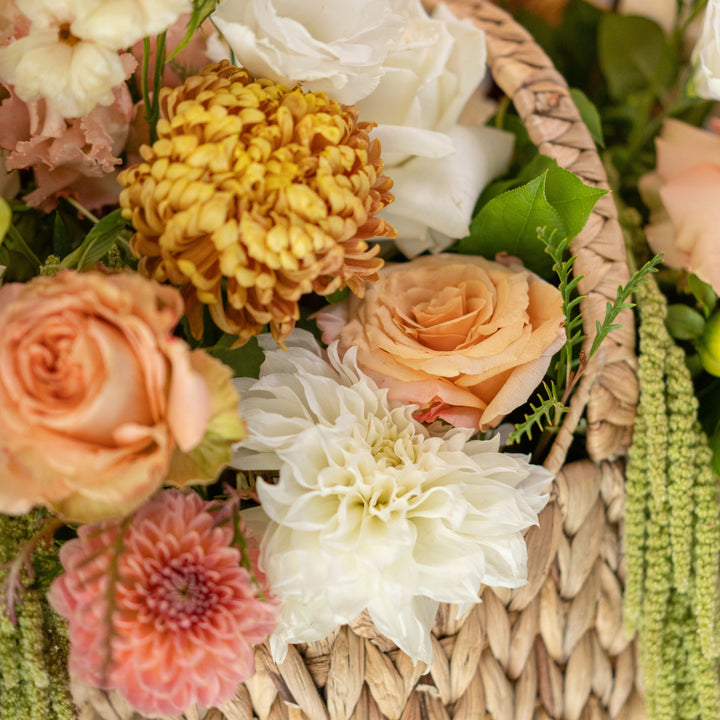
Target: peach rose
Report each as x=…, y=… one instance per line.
x=683, y=195
x=464, y=338
x=96, y=394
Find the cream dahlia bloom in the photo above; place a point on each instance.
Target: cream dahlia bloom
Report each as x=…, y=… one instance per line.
x=372, y=511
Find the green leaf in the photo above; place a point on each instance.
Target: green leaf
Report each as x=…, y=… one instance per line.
x=201, y=10
x=338, y=295
x=537, y=166
x=683, y=322
x=61, y=244
x=576, y=40
x=509, y=223
x=703, y=293
x=715, y=447
x=589, y=114
x=635, y=55
x=17, y=242
x=556, y=199
x=572, y=199
x=245, y=361
x=5, y=218
x=97, y=242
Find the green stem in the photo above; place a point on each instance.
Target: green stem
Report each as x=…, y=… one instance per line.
x=144, y=79
x=82, y=210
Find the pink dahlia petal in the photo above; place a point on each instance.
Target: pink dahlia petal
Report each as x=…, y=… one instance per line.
x=186, y=610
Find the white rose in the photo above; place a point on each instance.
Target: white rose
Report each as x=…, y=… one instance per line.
x=429, y=77
x=706, y=58
x=333, y=46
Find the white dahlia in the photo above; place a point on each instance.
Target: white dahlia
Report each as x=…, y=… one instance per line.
x=371, y=511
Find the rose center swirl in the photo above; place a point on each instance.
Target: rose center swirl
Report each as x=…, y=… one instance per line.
x=51, y=368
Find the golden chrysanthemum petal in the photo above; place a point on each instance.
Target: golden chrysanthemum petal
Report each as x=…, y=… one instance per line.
x=254, y=195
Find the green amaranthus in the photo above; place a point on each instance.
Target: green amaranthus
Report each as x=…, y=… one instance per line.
x=672, y=531
x=34, y=682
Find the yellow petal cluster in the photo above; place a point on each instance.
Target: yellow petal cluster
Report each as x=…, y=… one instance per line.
x=254, y=195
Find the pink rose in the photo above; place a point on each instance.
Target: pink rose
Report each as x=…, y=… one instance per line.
x=683, y=195
x=97, y=396
x=465, y=339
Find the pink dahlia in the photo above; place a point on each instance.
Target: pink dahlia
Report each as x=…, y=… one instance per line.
x=185, y=613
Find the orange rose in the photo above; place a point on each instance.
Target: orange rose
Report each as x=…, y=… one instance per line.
x=683, y=195
x=465, y=339
x=96, y=394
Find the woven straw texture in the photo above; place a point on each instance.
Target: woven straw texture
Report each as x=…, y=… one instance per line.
x=555, y=647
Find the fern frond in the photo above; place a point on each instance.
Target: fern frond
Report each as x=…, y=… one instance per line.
x=622, y=302
x=542, y=416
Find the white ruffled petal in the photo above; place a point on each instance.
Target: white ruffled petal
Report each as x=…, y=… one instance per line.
x=370, y=510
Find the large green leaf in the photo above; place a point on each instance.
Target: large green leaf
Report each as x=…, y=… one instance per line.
x=556, y=200
x=572, y=199
x=635, y=55
x=509, y=223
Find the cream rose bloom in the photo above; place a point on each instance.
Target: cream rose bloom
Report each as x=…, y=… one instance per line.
x=70, y=55
x=706, y=57
x=371, y=511
x=98, y=398
x=465, y=339
x=334, y=47
x=429, y=76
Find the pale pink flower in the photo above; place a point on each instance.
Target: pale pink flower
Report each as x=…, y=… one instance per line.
x=186, y=613
x=13, y=23
x=71, y=158
x=683, y=194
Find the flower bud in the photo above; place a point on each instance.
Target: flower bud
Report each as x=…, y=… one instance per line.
x=709, y=345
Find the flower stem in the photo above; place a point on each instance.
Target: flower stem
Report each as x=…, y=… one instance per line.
x=82, y=210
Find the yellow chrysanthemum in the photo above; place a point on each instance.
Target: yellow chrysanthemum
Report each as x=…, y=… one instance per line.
x=254, y=195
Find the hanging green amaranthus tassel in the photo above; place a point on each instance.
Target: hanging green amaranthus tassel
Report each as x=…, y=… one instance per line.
x=672, y=531
x=34, y=682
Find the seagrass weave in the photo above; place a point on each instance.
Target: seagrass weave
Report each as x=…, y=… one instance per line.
x=555, y=647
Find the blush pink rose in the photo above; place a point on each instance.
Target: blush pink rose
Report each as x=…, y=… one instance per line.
x=96, y=393
x=683, y=194
x=464, y=338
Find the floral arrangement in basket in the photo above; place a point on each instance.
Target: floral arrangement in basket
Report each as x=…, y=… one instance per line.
x=270, y=336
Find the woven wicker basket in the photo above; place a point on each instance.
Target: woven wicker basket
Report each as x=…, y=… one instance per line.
x=555, y=647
